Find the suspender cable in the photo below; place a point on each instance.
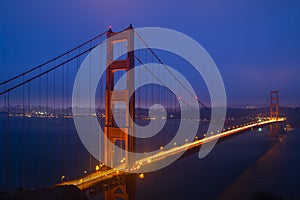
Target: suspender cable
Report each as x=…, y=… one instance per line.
x=63, y=124
x=8, y=141
x=47, y=128
x=23, y=136
x=160, y=61
x=43, y=73
x=5, y=142
x=54, y=117
x=28, y=136
x=78, y=163
x=37, y=103
x=39, y=152
x=90, y=104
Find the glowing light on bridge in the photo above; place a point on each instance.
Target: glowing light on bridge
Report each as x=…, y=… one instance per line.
x=141, y=176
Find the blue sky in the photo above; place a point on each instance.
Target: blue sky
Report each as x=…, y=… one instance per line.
x=255, y=44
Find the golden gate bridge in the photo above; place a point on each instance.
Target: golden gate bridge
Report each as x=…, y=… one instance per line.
x=37, y=127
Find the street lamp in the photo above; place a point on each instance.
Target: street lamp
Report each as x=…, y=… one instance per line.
x=62, y=178
x=141, y=176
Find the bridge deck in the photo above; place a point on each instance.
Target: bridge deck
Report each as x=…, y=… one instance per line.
x=97, y=177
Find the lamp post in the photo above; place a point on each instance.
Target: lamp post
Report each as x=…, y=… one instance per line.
x=97, y=168
x=62, y=178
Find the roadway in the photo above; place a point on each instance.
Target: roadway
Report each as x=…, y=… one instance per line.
x=96, y=177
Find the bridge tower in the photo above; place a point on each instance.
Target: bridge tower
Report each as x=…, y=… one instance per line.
x=112, y=131
x=274, y=104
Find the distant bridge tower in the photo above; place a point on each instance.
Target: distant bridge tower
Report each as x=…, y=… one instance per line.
x=112, y=131
x=274, y=105
x=274, y=101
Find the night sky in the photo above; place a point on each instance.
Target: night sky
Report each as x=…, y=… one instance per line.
x=255, y=44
